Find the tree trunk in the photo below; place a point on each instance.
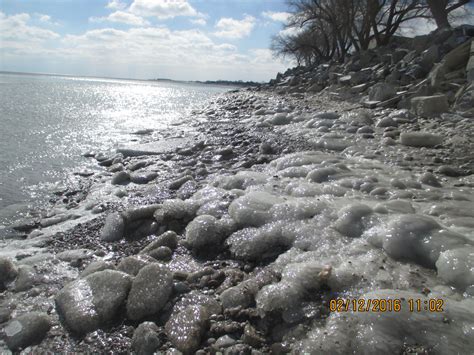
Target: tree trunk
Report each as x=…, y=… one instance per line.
x=440, y=15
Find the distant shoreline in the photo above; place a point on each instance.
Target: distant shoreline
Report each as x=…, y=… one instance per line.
x=238, y=83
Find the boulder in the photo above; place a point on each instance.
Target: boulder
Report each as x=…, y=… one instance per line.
x=381, y=92
x=89, y=303
x=150, y=291
x=429, y=106
x=27, y=329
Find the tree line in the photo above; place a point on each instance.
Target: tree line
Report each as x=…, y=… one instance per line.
x=320, y=30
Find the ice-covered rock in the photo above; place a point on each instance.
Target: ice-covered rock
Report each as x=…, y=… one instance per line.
x=260, y=243
x=253, y=208
x=298, y=281
x=203, y=232
x=353, y=220
x=322, y=174
x=419, y=239
x=241, y=180
x=114, y=228
x=86, y=304
x=456, y=267
x=150, y=291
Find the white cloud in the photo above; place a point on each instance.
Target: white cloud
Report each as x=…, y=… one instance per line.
x=234, y=29
x=46, y=19
x=122, y=17
x=276, y=16
x=116, y=5
x=163, y=9
x=199, y=22
x=15, y=30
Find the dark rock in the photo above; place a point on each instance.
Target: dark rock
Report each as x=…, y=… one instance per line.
x=27, y=329
x=145, y=339
x=150, y=291
x=8, y=272
x=120, y=177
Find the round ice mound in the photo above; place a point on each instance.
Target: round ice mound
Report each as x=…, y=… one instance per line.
x=456, y=267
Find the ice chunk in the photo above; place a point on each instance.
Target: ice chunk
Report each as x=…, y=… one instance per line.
x=260, y=243
x=298, y=281
x=241, y=180
x=419, y=239
x=352, y=220
x=322, y=174
x=300, y=159
x=253, y=208
x=456, y=267
x=297, y=209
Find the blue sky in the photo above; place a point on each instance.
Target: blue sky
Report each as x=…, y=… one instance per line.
x=178, y=39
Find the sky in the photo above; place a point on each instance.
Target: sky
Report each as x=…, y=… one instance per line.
x=142, y=39
x=146, y=39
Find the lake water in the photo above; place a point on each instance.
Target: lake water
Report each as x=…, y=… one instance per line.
x=48, y=122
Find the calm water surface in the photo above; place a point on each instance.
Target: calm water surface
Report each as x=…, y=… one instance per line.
x=47, y=122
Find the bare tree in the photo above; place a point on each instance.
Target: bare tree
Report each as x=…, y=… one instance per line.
x=440, y=10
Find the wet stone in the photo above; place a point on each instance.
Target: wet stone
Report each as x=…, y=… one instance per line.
x=87, y=304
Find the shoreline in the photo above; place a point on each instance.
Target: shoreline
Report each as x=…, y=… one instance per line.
x=255, y=152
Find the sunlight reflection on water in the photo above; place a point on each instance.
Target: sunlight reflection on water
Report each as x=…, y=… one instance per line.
x=47, y=122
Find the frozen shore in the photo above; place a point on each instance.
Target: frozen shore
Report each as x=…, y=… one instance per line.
x=237, y=239
x=329, y=212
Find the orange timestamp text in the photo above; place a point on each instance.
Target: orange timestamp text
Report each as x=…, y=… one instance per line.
x=382, y=305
